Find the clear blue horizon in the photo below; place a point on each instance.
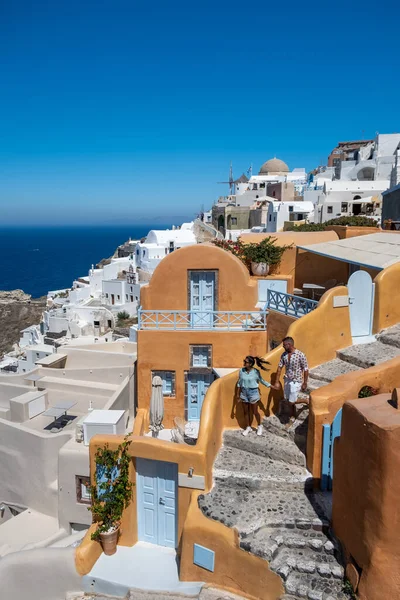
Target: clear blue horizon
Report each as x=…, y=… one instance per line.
x=120, y=112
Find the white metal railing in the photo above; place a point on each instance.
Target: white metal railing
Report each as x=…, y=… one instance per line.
x=173, y=320
x=291, y=305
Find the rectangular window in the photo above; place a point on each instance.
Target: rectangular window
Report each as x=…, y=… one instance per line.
x=270, y=218
x=131, y=298
x=344, y=207
x=106, y=295
x=119, y=297
x=96, y=323
x=168, y=379
x=201, y=356
x=109, y=323
x=290, y=208
x=37, y=355
x=330, y=210
x=82, y=489
x=234, y=221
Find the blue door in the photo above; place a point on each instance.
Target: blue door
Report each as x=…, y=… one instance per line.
x=330, y=433
x=361, y=303
x=202, y=297
x=197, y=389
x=157, y=502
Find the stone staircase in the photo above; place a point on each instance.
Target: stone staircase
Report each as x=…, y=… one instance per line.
x=262, y=488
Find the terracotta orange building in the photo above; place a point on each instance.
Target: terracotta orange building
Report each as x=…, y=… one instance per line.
x=199, y=314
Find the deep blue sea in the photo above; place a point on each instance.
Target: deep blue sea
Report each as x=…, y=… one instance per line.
x=37, y=260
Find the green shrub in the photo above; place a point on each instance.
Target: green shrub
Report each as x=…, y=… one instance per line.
x=367, y=391
x=357, y=221
x=265, y=251
x=307, y=227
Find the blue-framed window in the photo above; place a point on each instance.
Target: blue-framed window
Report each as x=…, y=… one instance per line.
x=200, y=356
x=168, y=381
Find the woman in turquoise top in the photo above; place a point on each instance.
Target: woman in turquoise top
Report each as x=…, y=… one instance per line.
x=249, y=392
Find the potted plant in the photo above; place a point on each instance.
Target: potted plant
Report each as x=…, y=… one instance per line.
x=111, y=493
x=263, y=255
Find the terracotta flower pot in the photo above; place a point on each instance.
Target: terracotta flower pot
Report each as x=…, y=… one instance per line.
x=109, y=541
x=260, y=269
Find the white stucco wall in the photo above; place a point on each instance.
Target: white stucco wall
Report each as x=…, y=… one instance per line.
x=41, y=574
x=29, y=466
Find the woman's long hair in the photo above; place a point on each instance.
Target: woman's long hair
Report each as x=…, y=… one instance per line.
x=260, y=362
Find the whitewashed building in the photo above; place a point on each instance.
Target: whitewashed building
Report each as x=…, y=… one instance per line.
x=160, y=243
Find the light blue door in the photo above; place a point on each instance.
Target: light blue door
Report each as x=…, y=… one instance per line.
x=157, y=498
x=361, y=303
x=202, y=296
x=330, y=433
x=198, y=385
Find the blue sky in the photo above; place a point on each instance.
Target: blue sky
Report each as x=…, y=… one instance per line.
x=113, y=111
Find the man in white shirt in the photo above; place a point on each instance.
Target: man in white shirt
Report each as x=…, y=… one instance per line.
x=296, y=375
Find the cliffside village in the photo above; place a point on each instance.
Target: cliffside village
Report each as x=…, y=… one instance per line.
x=141, y=358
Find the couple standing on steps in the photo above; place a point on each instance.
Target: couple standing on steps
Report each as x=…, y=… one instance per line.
x=295, y=380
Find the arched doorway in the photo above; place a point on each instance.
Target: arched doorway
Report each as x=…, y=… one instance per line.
x=356, y=205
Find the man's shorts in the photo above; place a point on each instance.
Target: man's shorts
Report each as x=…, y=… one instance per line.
x=291, y=390
x=250, y=395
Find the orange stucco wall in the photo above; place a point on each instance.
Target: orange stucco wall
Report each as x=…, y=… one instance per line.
x=200, y=458
x=327, y=400
x=302, y=266
x=387, y=306
x=169, y=351
x=235, y=570
x=277, y=327
x=168, y=288
x=345, y=232
x=366, y=494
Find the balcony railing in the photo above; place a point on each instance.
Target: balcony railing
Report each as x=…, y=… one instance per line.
x=184, y=320
x=294, y=306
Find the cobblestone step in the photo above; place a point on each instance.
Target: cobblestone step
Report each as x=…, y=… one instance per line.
x=306, y=585
x=238, y=467
x=368, y=355
x=268, y=445
x=251, y=510
x=332, y=369
x=390, y=336
x=269, y=542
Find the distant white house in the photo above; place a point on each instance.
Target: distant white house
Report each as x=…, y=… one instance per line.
x=160, y=243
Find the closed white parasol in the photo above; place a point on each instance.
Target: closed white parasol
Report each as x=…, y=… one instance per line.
x=156, y=406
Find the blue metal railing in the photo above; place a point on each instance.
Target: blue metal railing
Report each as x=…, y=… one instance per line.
x=294, y=306
x=173, y=320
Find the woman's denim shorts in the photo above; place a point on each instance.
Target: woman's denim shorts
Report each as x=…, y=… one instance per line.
x=250, y=395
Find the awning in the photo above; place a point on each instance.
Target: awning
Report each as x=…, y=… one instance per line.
x=223, y=372
x=375, y=251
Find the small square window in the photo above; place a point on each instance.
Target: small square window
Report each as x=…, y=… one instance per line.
x=290, y=208
x=234, y=221
x=168, y=381
x=330, y=210
x=201, y=356
x=82, y=489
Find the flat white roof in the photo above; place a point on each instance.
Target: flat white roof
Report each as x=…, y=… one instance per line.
x=104, y=416
x=376, y=251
